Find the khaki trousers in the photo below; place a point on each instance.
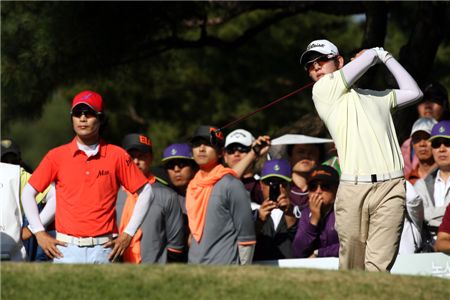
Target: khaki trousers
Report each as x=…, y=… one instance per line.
x=369, y=222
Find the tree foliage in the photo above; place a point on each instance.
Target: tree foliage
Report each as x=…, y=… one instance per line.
x=166, y=67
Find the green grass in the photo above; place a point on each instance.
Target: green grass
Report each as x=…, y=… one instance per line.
x=119, y=281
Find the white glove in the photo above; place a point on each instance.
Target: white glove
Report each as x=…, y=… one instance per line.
x=383, y=55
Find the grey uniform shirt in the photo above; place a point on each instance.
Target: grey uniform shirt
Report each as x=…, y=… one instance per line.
x=228, y=221
x=163, y=226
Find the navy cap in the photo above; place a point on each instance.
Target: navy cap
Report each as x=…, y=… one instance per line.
x=276, y=168
x=440, y=130
x=175, y=151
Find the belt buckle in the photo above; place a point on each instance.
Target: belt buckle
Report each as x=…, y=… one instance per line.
x=83, y=242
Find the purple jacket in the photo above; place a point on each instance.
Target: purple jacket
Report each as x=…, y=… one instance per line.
x=298, y=197
x=309, y=237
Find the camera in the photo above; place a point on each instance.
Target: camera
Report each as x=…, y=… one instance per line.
x=274, y=191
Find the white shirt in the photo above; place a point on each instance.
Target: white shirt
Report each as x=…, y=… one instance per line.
x=90, y=150
x=440, y=190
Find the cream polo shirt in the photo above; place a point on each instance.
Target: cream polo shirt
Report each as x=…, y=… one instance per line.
x=360, y=124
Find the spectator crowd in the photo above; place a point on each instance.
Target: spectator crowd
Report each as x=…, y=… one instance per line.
x=233, y=199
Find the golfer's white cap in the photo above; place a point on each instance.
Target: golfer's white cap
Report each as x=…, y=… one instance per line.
x=324, y=47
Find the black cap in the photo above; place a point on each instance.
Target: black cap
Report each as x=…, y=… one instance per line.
x=9, y=146
x=211, y=134
x=137, y=141
x=435, y=92
x=324, y=173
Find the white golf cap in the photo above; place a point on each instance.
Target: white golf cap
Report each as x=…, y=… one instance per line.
x=423, y=124
x=324, y=47
x=239, y=136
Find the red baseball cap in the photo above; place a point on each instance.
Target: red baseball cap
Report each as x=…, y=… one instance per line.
x=90, y=98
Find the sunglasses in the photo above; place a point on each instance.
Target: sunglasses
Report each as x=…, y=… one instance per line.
x=275, y=182
x=321, y=60
x=436, y=143
x=239, y=148
x=88, y=113
x=313, y=186
x=181, y=163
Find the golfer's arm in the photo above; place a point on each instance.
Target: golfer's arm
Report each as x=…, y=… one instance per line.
x=357, y=67
x=408, y=91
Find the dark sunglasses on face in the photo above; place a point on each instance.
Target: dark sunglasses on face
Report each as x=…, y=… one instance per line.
x=436, y=143
x=181, y=163
x=86, y=112
x=275, y=182
x=321, y=60
x=240, y=148
x=326, y=187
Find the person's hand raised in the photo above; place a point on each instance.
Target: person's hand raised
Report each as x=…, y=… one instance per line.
x=283, y=202
x=264, y=210
x=315, y=205
x=261, y=145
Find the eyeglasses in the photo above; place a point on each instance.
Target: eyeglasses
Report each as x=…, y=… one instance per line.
x=88, y=113
x=240, y=148
x=181, y=163
x=275, y=182
x=321, y=60
x=313, y=186
x=436, y=143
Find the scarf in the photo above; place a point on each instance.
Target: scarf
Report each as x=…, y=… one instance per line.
x=197, y=197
